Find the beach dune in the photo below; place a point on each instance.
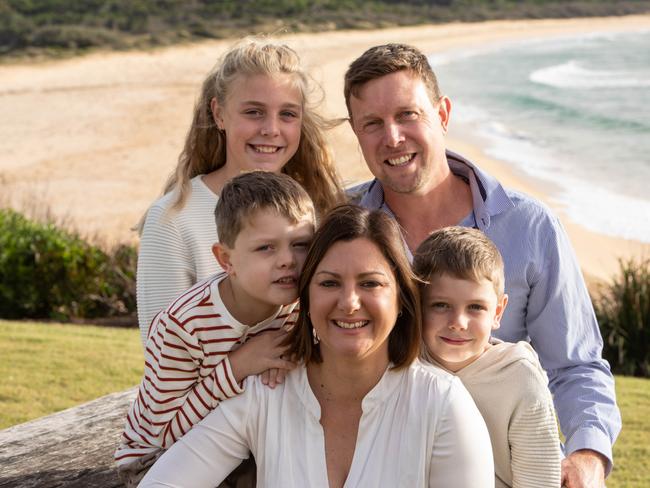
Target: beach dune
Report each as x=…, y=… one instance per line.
x=92, y=139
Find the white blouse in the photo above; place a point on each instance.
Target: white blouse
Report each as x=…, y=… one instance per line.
x=419, y=428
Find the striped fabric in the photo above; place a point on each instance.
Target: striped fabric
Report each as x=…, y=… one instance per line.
x=175, y=250
x=187, y=371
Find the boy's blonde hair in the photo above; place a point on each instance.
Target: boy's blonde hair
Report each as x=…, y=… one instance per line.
x=205, y=145
x=259, y=190
x=461, y=252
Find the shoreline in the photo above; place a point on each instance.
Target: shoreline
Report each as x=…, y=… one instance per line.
x=93, y=138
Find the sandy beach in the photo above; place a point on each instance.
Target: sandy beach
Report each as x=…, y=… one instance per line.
x=92, y=139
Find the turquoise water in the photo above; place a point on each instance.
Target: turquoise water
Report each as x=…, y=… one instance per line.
x=573, y=112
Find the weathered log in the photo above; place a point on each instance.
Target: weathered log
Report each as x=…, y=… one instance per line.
x=72, y=448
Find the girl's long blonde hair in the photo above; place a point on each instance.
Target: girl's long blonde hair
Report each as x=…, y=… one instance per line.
x=205, y=145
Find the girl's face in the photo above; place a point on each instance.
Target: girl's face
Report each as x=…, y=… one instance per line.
x=262, y=119
x=353, y=302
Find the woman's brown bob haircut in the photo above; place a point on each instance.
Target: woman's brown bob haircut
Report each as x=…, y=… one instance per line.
x=346, y=223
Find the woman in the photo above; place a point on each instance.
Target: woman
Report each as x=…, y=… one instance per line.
x=253, y=113
x=360, y=410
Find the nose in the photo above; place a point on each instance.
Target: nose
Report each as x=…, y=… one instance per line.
x=286, y=258
x=393, y=136
x=270, y=126
x=457, y=321
x=349, y=300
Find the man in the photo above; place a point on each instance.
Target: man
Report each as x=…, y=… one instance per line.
x=400, y=119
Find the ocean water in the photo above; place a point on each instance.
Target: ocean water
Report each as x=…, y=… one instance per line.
x=572, y=112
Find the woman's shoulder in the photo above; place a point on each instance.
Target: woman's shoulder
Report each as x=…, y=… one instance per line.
x=254, y=386
x=432, y=379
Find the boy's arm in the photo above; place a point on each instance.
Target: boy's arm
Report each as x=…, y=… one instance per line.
x=259, y=354
x=182, y=383
x=220, y=438
x=535, y=454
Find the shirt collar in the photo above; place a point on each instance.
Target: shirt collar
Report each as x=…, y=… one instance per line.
x=489, y=198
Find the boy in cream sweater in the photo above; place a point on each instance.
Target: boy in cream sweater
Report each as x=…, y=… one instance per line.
x=463, y=300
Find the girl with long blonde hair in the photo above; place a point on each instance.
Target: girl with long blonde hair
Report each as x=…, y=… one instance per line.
x=253, y=112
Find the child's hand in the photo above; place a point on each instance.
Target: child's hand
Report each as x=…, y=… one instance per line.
x=274, y=376
x=261, y=353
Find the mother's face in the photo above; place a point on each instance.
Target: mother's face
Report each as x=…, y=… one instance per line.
x=353, y=301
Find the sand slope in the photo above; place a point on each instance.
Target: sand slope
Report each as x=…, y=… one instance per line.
x=93, y=138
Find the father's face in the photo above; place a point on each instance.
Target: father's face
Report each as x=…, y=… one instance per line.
x=401, y=132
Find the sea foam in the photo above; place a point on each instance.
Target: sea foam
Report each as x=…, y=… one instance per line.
x=573, y=75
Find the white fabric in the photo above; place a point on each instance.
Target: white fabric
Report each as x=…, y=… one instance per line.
x=419, y=428
x=175, y=250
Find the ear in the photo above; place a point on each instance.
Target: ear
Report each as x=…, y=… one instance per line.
x=498, y=313
x=444, y=111
x=216, y=113
x=222, y=254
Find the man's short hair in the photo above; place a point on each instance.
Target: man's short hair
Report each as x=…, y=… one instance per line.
x=251, y=192
x=460, y=252
x=384, y=60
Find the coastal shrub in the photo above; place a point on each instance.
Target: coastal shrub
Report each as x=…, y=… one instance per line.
x=55, y=27
x=74, y=37
x=623, y=311
x=48, y=272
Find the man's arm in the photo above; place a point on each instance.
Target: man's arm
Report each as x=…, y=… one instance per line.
x=584, y=469
x=563, y=330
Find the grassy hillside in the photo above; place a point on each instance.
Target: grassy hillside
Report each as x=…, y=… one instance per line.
x=56, y=27
x=50, y=367
x=46, y=368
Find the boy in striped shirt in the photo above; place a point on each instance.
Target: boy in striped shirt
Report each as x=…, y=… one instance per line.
x=463, y=300
x=228, y=327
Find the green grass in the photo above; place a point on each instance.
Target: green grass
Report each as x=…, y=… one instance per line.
x=49, y=367
x=632, y=449
x=46, y=368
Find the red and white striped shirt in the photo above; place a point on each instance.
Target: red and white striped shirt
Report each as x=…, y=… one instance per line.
x=187, y=371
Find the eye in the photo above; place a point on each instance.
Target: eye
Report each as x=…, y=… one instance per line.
x=302, y=244
x=408, y=115
x=477, y=307
x=371, y=284
x=440, y=305
x=371, y=126
x=264, y=247
x=289, y=114
x=253, y=112
x=328, y=283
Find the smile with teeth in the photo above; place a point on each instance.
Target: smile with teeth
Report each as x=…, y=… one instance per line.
x=265, y=149
x=351, y=325
x=401, y=160
x=287, y=280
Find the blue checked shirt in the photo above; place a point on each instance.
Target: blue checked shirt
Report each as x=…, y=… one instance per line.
x=548, y=303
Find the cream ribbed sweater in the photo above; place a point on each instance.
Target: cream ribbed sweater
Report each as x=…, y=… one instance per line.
x=175, y=250
x=510, y=389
